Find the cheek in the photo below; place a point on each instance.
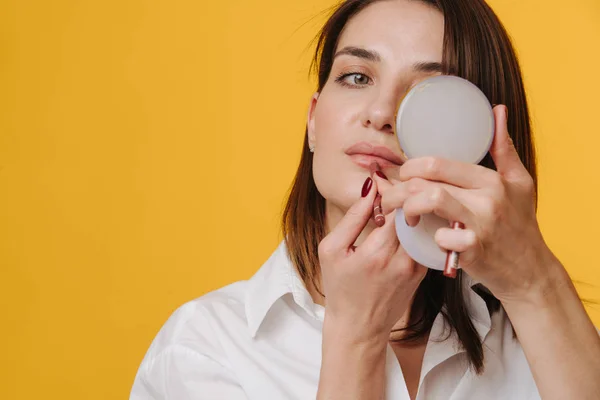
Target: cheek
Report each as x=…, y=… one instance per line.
x=326, y=113
x=334, y=180
x=337, y=178
x=338, y=109
x=331, y=133
x=327, y=163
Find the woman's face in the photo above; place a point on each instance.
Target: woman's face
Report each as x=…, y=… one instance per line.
x=382, y=52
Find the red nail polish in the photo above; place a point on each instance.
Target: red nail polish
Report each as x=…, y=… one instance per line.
x=367, y=187
x=381, y=174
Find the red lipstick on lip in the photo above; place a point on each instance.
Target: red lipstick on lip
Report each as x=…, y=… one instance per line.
x=364, y=154
x=374, y=167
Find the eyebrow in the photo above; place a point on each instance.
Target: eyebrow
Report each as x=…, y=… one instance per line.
x=368, y=55
x=371, y=55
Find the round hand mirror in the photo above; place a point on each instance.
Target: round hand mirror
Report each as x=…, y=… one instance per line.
x=448, y=117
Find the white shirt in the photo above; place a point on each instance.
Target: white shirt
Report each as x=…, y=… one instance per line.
x=261, y=340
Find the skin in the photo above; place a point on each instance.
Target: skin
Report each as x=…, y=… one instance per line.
x=501, y=245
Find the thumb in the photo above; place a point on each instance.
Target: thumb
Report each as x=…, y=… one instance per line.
x=503, y=150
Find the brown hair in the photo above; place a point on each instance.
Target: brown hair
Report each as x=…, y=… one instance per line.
x=476, y=48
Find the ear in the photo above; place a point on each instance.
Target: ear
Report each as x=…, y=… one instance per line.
x=310, y=121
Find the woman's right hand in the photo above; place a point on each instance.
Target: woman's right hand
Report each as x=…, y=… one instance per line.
x=368, y=288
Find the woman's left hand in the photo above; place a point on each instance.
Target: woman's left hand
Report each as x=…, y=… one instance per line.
x=501, y=246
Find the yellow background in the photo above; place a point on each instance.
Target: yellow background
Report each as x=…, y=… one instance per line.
x=146, y=148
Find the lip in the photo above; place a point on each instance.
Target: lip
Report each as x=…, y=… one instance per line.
x=364, y=154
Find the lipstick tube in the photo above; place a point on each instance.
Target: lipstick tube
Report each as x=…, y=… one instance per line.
x=377, y=210
x=452, y=256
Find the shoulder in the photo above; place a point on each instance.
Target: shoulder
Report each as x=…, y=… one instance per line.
x=197, y=326
x=187, y=358
x=219, y=322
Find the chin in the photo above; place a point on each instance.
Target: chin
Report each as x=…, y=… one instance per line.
x=341, y=189
x=348, y=195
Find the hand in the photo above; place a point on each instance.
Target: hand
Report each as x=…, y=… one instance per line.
x=501, y=246
x=368, y=288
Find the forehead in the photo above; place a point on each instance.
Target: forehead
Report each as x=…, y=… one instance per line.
x=399, y=30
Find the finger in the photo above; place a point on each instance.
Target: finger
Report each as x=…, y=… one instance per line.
x=438, y=201
x=383, y=183
x=412, y=220
x=382, y=239
x=393, y=196
x=408, y=267
x=455, y=173
x=464, y=241
x=459, y=240
x=503, y=151
x=353, y=222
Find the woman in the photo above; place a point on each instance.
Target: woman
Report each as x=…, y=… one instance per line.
x=340, y=311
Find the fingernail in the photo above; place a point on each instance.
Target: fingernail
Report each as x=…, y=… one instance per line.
x=417, y=220
x=380, y=174
x=367, y=187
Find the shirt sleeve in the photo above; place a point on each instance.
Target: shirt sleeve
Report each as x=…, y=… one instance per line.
x=179, y=373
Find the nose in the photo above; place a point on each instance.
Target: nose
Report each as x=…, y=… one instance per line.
x=380, y=114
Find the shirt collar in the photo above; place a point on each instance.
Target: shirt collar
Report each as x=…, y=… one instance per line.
x=438, y=348
x=478, y=309
x=278, y=277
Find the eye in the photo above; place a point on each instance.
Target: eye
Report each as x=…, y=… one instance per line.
x=353, y=79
